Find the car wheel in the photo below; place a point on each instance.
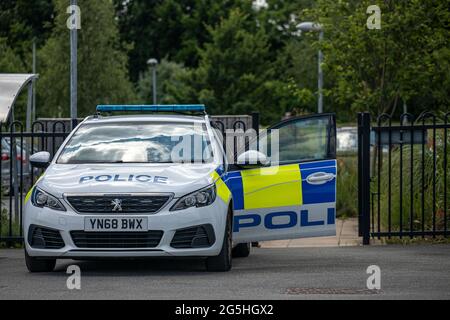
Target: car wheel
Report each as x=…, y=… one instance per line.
x=222, y=262
x=242, y=250
x=38, y=265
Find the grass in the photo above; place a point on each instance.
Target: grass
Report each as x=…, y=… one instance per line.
x=413, y=210
x=347, y=186
x=5, y=225
x=417, y=240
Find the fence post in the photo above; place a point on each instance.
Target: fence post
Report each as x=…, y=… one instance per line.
x=364, y=176
x=255, y=126
x=359, y=175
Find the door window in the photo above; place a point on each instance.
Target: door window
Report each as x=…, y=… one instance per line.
x=302, y=139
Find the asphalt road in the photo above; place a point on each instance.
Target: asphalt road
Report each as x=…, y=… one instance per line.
x=407, y=272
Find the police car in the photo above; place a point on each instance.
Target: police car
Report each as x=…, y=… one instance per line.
x=131, y=186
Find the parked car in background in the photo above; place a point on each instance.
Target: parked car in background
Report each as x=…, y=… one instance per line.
x=347, y=140
x=22, y=163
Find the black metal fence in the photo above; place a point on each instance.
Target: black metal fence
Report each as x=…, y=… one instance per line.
x=403, y=176
x=238, y=125
x=16, y=174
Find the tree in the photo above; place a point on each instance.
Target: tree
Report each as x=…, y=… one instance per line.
x=236, y=75
x=102, y=68
x=295, y=59
x=10, y=62
x=406, y=60
x=173, y=84
x=175, y=29
x=23, y=20
x=280, y=19
x=232, y=65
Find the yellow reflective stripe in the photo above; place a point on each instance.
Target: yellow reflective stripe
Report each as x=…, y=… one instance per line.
x=272, y=187
x=30, y=192
x=28, y=196
x=222, y=189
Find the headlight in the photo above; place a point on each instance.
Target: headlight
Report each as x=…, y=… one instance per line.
x=200, y=198
x=42, y=199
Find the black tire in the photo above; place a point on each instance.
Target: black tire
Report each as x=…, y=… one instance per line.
x=242, y=250
x=39, y=265
x=222, y=262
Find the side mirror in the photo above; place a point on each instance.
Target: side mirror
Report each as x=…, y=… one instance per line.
x=40, y=159
x=252, y=159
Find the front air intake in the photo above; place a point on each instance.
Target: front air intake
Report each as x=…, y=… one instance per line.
x=44, y=238
x=194, y=237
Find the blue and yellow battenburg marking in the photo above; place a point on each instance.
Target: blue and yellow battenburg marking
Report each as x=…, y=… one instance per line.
x=222, y=189
x=324, y=193
x=255, y=188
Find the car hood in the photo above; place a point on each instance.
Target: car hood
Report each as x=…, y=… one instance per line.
x=178, y=179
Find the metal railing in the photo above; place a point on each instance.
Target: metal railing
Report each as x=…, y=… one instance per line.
x=239, y=125
x=16, y=174
x=403, y=178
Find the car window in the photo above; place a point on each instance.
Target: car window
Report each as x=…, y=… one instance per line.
x=300, y=140
x=139, y=142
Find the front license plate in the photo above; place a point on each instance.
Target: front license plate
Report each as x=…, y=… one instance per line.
x=115, y=224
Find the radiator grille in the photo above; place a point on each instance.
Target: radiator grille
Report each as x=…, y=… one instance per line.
x=109, y=203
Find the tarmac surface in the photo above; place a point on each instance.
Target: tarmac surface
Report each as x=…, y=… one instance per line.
x=407, y=272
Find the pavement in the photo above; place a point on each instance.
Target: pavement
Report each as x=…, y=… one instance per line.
x=346, y=235
x=407, y=272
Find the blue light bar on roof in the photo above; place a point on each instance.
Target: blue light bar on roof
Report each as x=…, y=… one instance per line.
x=152, y=108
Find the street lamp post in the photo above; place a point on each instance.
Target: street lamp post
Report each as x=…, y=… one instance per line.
x=153, y=63
x=73, y=72
x=311, y=26
x=33, y=109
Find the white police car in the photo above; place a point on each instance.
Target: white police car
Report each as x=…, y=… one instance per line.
x=132, y=186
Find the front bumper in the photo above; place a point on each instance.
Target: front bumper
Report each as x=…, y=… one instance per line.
x=167, y=221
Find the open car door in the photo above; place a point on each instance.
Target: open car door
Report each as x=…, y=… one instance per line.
x=295, y=195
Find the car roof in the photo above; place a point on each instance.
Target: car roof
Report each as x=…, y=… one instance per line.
x=145, y=118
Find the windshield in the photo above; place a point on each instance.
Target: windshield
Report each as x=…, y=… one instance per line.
x=139, y=142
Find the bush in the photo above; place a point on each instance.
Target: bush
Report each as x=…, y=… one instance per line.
x=4, y=221
x=347, y=186
x=407, y=206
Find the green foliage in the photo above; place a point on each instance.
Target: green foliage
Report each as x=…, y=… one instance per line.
x=233, y=57
x=413, y=175
x=376, y=69
x=172, y=84
x=174, y=29
x=233, y=66
x=10, y=62
x=297, y=65
x=102, y=68
x=15, y=225
x=280, y=19
x=235, y=74
x=23, y=20
x=347, y=186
